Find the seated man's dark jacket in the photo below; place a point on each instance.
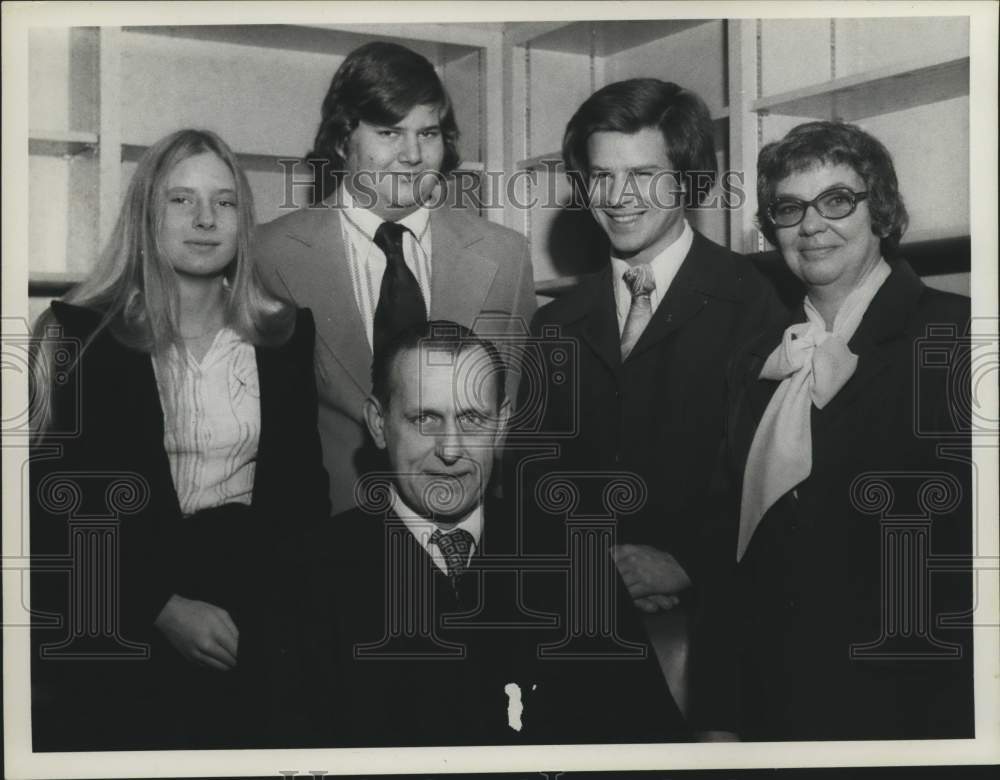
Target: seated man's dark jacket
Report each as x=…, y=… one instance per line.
x=326, y=694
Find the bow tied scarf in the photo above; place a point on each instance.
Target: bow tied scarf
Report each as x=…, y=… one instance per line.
x=812, y=364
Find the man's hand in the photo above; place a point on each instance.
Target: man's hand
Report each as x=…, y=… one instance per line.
x=203, y=633
x=653, y=577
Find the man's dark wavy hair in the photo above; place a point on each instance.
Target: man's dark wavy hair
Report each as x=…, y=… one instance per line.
x=633, y=105
x=379, y=83
x=835, y=143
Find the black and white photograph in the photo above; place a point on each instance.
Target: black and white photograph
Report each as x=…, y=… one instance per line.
x=533, y=388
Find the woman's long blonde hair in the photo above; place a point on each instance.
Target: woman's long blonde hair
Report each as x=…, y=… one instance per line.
x=134, y=286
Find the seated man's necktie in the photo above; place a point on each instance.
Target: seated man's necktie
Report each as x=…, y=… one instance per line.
x=400, y=302
x=456, y=546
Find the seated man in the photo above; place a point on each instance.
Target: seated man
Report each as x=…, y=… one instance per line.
x=416, y=620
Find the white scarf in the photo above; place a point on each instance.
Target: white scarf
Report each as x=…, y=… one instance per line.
x=813, y=365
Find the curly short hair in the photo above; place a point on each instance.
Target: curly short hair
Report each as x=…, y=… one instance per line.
x=379, y=83
x=635, y=104
x=835, y=143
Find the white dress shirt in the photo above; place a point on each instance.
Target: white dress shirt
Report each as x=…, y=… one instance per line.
x=367, y=261
x=664, y=265
x=422, y=529
x=211, y=421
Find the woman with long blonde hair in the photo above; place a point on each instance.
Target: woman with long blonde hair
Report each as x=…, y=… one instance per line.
x=190, y=391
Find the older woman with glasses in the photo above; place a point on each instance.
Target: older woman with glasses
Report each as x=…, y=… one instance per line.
x=838, y=607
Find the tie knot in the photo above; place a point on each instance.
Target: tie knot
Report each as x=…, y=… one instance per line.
x=455, y=546
x=389, y=237
x=640, y=280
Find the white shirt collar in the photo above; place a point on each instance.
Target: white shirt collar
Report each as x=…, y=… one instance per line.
x=368, y=222
x=422, y=528
x=665, y=266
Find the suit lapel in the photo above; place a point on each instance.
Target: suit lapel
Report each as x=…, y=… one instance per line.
x=321, y=280
x=749, y=398
x=677, y=307
x=872, y=361
x=460, y=276
x=143, y=392
x=270, y=410
x=758, y=391
x=600, y=329
x=883, y=323
x=697, y=280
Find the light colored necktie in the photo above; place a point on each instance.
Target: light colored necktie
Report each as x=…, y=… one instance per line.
x=812, y=365
x=641, y=284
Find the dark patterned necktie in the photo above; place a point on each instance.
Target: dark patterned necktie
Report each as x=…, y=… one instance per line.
x=455, y=546
x=400, y=302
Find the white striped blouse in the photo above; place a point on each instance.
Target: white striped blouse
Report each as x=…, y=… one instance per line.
x=211, y=414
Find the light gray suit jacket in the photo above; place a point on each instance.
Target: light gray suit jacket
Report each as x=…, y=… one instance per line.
x=481, y=277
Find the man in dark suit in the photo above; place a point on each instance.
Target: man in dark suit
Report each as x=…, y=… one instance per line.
x=381, y=246
x=654, y=329
x=416, y=622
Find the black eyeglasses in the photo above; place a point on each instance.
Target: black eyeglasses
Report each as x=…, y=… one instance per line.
x=837, y=203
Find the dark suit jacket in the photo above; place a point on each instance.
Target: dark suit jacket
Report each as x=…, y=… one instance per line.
x=659, y=415
x=776, y=657
x=110, y=399
x=332, y=691
x=479, y=270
